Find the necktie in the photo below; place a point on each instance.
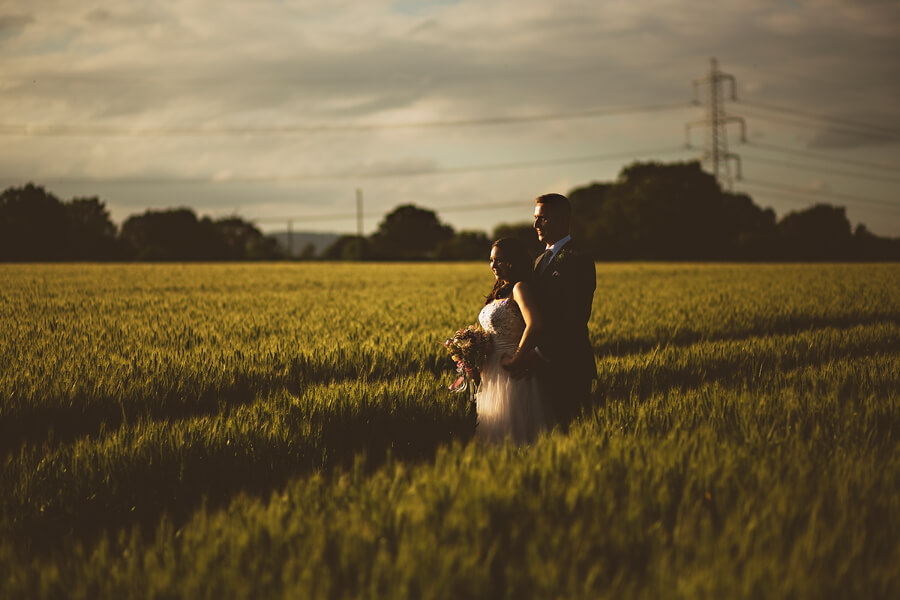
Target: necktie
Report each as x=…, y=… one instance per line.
x=545, y=260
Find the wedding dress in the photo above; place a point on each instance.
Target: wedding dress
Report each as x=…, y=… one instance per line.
x=506, y=407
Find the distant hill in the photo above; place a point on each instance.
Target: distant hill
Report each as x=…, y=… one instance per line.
x=300, y=239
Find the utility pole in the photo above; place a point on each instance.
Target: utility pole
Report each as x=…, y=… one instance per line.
x=716, y=120
x=359, y=213
x=290, y=240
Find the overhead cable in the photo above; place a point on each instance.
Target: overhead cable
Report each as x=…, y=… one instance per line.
x=51, y=129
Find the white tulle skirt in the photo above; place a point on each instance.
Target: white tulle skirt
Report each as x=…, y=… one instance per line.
x=507, y=407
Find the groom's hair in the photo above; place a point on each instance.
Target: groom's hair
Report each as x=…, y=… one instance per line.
x=557, y=202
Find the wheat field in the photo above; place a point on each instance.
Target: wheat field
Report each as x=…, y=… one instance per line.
x=284, y=430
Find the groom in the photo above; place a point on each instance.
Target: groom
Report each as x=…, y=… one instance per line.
x=564, y=279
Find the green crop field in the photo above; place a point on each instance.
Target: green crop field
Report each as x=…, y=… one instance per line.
x=284, y=430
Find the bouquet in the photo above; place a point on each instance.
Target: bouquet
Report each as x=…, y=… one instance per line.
x=469, y=348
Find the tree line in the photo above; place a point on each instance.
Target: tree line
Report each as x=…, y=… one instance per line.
x=653, y=211
x=36, y=226
x=677, y=211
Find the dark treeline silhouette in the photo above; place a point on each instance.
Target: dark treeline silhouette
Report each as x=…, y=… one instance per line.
x=411, y=233
x=653, y=211
x=678, y=212
x=36, y=226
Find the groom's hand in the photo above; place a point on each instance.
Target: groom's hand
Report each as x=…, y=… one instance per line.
x=515, y=367
x=521, y=365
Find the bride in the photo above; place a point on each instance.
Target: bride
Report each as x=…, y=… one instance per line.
x=509, y=407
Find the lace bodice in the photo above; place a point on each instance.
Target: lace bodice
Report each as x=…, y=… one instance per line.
x=503, y=320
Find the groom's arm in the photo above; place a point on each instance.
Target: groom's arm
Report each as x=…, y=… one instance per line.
x=570, y=299
x=574, y=291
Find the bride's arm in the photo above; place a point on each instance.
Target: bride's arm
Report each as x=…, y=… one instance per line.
x=524, y=297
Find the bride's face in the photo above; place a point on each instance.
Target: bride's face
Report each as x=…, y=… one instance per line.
x=498, y=265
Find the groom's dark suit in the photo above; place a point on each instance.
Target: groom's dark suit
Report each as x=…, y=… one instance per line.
x=565, y=290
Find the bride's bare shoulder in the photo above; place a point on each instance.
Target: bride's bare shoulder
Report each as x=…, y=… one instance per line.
x=522, y=286
x=523, y=292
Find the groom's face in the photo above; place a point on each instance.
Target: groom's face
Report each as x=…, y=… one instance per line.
x=548, y=224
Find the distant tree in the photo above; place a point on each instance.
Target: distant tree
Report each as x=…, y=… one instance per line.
x=821, y=232
x=672, y=211
x=665, y=212
x=263, y=247
x=409, y=232
x=174, y=234
x=523, y=231
x=308, y=252
x=464, y=245
x=348, y=247
x=91, y=233
x=868, y=246
x=236, y=234
x=744, y=231
x=243, y=241
x=33, y=225
x=590, y=224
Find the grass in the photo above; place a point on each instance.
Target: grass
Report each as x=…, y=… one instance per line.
x=284, y=430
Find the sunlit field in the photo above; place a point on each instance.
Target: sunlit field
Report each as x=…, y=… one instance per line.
x=284, y=430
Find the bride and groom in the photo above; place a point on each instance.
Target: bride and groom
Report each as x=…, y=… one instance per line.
x=540, y=370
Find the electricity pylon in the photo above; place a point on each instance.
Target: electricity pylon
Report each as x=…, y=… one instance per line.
x=716, y=120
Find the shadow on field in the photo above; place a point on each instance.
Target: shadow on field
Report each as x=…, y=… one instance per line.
x=57, y=420
x=735, y=366
x=788, y=326
x=78, y=412
x=139, y=476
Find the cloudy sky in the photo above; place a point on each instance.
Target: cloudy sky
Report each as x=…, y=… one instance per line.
x=283, y=110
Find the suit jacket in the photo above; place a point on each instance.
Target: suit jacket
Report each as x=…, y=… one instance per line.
x=565, y=291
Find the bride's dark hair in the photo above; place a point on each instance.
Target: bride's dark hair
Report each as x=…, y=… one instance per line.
x=513, y=252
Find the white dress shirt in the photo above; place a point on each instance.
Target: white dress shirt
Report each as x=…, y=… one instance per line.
x=556, y=246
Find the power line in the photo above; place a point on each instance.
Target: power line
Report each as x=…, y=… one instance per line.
x=797, y=190
x=780, y=190
x=838, y=129
x=332, y=217
x=803, y=77
x=307, y=77
x=808, y=115
x=57, y=130
x=479, y=206
x=795, y=198
x=805, y=153
x=827, y=170
x=801, y=198
x=349, y=216
x=363, y=175
x=551, y=161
